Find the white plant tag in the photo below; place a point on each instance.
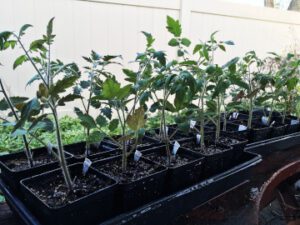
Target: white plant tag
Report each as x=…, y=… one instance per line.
x=49, y=148
x=86, y=165
x=198, y=139
x=230, y=117
x=264, y=120
x=294, y=122
x=242, y=127
x=271, y=125
x=192, y=124
x=235, y=115
x=175, y=147
x=137, y=155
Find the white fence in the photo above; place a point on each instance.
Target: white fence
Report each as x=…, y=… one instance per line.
x=113, y=27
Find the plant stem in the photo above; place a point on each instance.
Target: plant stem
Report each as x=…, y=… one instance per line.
x=166, y=139
x=61, y=154
x=218, y=127
x=202, y=122
x=26, y=144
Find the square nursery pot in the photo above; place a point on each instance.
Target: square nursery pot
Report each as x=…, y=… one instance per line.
x=214, y=160
x=12, y=175
x=134, y=189
x=232, y=128
x=236, y=142
x=278, y=129
x=293, y=124
x=185, y=169
x=83, y=206
x=98, y=151
x=259, y=132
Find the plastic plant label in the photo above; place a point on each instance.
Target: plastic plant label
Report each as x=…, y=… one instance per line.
x=175, y=147
x=272, y=124
x=294, y=122
x=49, y=148
x=167, y=130
x=264, y=120
x=137, y=155
x=230, y=117
x=198, y=139
x=242, y=127
x=192, y=124
x=235, y=115
x=86, y=165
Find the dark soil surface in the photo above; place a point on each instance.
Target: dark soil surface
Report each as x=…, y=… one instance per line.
x=208, y=150
x=21, y=163
x=177, y=161
x=55, y=193
x=177, y=136
x=141, y=143
x=135, y=170
x=107, y=155
x=228, y=141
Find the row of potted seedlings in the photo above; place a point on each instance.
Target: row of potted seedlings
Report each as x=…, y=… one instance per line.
x=214, y=108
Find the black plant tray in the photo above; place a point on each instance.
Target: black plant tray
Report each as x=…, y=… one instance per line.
x=271, y=145
x=164, y=210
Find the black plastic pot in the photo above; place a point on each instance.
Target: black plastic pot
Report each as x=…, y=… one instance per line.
x=134, y=194
x=213, y=163
x=89, y=209
x=238, y=145
x=179, y=177
x=291, y=128
x=278, y=130
x=12, y=177
x=259, y=133
x=101, y=150
x=232, y=128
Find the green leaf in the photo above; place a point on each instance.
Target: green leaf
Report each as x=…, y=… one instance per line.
x=23, y=29
x=160, y=56
x=16, y=100
x=84, y=84
x=87, y=121
x=111, y=89
x=205, y=52
x=106, y=112
x=155, y=106
x=130, y=74
x=137, y=120
x=124, y=92
x=37, y=45
x=149, y=38
x=19, y=61
x=30, y=108
x=61, y=85
x=186, y=42
x=113, y=125
x=173, y=26
x=197, y=48
x=180, y=53
x=68, y=98
x=19, y=132
x=95, y=136
x=229, y=42
x=222, y=47
x=101, y=121
x=50, y=27
x=173, y=42
x=292, y=83
x=238, y=81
